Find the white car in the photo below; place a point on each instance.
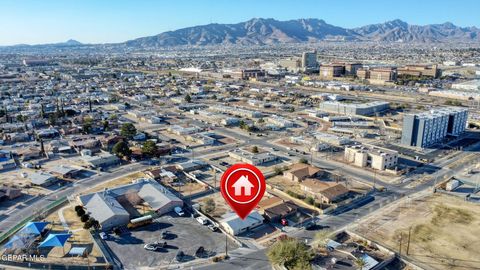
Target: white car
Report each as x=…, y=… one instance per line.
x=103, y=235
x=202, y=220
x=179, y=211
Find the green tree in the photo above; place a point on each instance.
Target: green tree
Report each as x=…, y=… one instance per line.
x=80, y=212
x=209, y=206
x=121, y=149
x=149, y=148
x=255, y=149
x=19, y=118
x=309, y=200
x=128, y=130
x=278, y=170
x=291, y=253
x=321, y=237
x=87, y=125
x=84, y=218
x=52, y=119
x=188, y=98
x=106, y=124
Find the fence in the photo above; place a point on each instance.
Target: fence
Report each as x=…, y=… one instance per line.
x=22, y=223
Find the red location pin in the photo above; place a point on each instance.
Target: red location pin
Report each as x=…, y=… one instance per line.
x=242, y=186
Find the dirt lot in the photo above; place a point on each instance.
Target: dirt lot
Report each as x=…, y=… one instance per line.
x=444, y=231
x=188, y=188
x=127, y=179
x=221, y=206
x=80, y=238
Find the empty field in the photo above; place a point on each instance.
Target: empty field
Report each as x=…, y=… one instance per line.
x=443, y=232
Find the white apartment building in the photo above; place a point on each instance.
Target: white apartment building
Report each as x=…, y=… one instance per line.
x=371, y=156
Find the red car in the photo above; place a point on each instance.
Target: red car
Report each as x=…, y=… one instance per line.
x=284, y=222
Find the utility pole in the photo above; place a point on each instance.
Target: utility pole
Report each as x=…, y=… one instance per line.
x=214, y=178
x=408, y=243
x=226, y=247
x=400, y=248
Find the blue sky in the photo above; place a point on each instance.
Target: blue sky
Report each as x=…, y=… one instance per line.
x=100, y=21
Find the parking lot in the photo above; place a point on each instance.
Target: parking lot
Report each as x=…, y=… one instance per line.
x=185, y=234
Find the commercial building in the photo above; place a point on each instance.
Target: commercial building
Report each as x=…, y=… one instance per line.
x=332, y=139
x=252, y=73
x=377, y=75
x=234, y=225
x=292, y=65
x=105, y=205
x=351, y=68
x=279, y=121
x=366, y=109
x=101, y=160
x=309, y=61
x=462, y=95
x=204, y=138
x=42, y=179
x=420, y=70
x=252, y=158
x=181, y=130
x=427, y=128
x=237, y=111
x=328, y=72
x=371, y=156
x=473, y=85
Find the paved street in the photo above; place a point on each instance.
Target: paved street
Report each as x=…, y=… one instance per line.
x=70, y=189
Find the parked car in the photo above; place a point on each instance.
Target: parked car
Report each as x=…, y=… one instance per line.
x=200, y=252
x=165, y=234
x=179, y=256
x=212, y=227
x=179, y=211
x=284, y=222
x=202, y=220
x=155, y=246
x=103, y=235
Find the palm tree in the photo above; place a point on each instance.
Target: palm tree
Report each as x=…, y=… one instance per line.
x=360, y=263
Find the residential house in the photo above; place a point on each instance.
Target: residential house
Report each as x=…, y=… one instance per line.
x=300, y=172
x=325, y=192
x=274, y=208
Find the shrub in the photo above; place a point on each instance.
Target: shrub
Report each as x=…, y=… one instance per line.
x=309, y=200
x=78, y=208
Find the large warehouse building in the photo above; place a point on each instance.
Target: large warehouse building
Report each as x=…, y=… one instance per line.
x=366, y=109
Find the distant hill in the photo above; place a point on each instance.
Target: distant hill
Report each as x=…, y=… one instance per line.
x=68, y=43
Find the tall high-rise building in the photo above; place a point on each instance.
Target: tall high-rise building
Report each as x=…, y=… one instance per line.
x=309, y=61
x=427, y=128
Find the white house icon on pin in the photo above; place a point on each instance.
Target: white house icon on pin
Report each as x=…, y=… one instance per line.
x=243, y=183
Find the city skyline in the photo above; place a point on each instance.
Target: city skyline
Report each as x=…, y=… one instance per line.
x=56, y=21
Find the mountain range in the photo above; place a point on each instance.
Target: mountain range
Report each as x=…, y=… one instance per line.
x=259, y=31
x=270, y=31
